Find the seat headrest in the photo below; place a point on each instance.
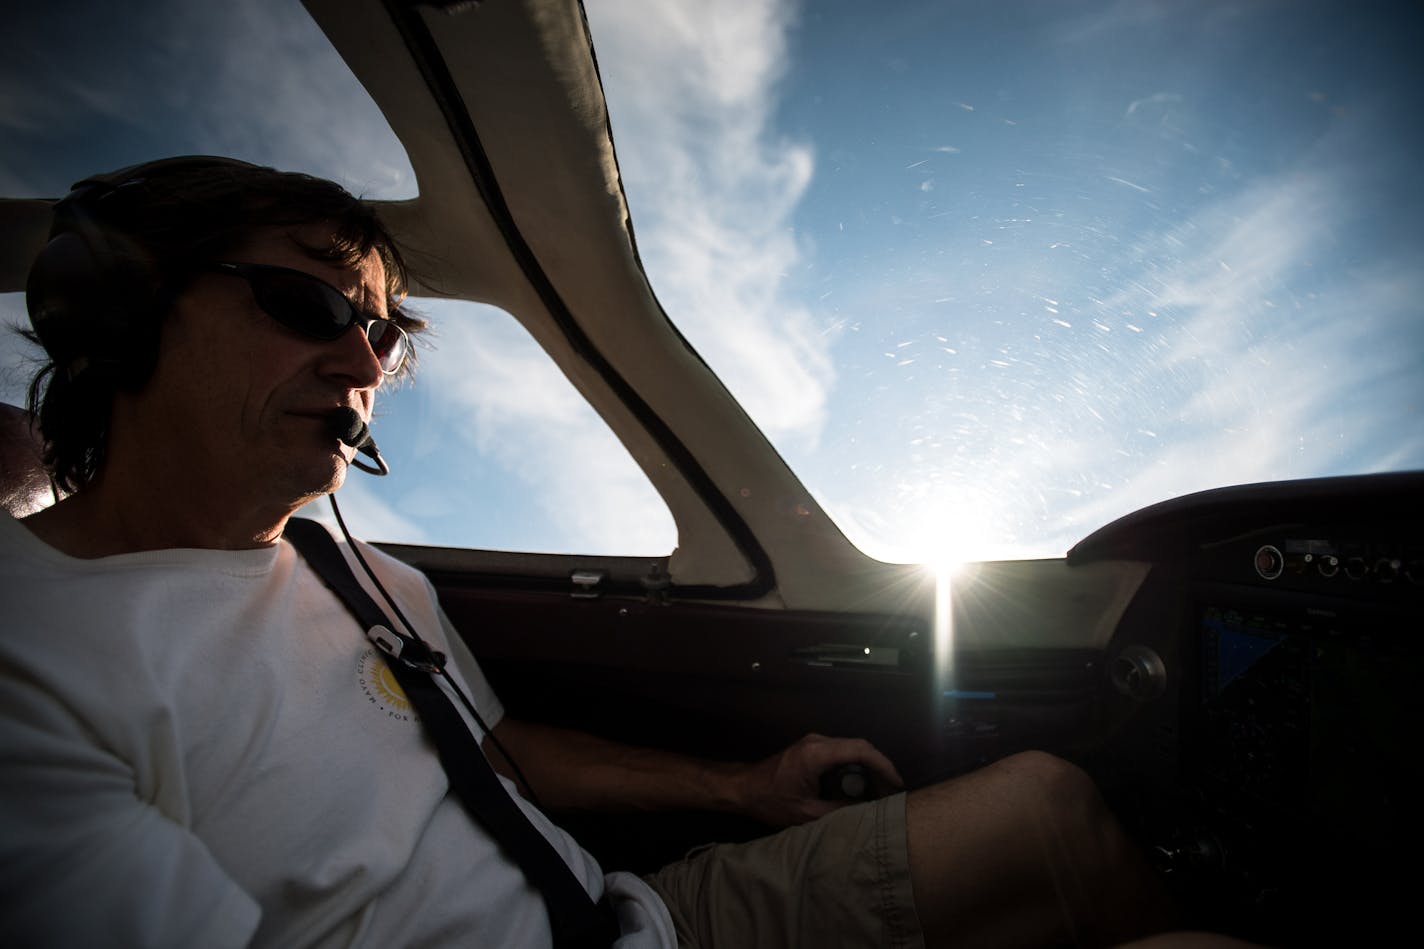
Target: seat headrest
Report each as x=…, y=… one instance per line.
x=25, y=486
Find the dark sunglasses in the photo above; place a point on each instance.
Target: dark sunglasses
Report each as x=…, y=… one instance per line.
x=315, y=308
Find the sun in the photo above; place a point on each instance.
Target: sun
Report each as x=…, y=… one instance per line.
x=951, y=528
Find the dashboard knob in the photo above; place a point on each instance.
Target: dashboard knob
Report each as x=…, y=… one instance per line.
x=1269, y=562
x=1138, y=673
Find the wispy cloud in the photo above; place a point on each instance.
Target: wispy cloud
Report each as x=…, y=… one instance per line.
x=712, y=187
x=500, y=395
x=1268, y=376
x=366, y=512
x=1258, y=360
x=319, y=116
x=256, y=81
x=1159, y=99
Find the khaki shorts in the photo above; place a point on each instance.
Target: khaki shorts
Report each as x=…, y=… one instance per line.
x=843, y=880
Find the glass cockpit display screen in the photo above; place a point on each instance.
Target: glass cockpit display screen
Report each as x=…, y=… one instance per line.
x=1256, y=705
x=1311, y=717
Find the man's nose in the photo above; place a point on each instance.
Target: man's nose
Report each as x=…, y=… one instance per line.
x=351, y=359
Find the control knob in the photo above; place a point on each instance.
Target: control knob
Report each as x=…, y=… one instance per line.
x=1269, y=562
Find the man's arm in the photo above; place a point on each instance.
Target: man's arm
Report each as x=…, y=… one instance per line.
x=83, y=860
x=573, y=771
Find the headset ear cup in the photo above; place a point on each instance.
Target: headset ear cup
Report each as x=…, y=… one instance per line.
x=92, y=296
x=62, y=293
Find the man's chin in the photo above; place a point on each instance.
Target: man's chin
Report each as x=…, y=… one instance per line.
x=315, y=482
x=334, y=478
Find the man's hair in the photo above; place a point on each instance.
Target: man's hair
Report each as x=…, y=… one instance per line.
x=172, y=218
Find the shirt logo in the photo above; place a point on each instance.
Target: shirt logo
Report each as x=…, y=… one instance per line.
x=380, y=687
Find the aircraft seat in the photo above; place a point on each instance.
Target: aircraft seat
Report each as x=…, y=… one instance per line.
x=25, y=486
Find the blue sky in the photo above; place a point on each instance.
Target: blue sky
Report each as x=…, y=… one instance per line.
x=1041, y=263
x=988, y=275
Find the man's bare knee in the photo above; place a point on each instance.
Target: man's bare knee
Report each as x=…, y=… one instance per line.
x=1050, y=775
x=1027, y=783
x=1037, y=833
x=1054, y=786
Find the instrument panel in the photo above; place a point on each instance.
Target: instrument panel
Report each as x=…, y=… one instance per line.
x=1299, y=762
x=1274, y=764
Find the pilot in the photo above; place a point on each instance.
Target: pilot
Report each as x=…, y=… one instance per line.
x=192, y=754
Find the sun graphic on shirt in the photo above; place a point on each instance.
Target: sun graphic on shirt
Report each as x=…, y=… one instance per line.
x=381, y=688
x=384, y=682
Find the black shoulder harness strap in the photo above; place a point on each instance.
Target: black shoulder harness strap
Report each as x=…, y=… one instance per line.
x=576, y=920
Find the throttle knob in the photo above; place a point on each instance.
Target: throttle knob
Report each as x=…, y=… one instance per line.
x=846, y=782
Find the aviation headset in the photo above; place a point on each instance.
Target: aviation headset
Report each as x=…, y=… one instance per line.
x=96, y=295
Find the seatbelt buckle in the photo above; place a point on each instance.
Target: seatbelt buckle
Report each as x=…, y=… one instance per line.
x=412, y=652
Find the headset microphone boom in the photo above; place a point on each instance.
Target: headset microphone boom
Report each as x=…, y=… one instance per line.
x=345, y=424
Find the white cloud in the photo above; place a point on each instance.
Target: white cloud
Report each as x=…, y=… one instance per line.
x=1261, y=360
x=1269, y=384
x=315, y=115
x=256, y=81
x=712, y=188
x=500, y=393
x=366, y=512
x=1259, y=243
x=500, y=376
x=1158, y=99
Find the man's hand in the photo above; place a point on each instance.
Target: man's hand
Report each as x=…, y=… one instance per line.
x=572, y=771
x=785, y=788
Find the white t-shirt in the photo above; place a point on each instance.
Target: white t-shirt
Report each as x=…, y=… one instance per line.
x=200, y=748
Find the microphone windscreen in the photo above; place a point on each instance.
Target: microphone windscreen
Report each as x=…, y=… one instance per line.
x=345, y=423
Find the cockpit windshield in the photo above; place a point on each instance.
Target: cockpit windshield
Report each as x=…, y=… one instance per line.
x=992, y=275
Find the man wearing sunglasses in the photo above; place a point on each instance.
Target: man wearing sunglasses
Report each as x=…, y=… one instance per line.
x=188, y=759
x=203, y=317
